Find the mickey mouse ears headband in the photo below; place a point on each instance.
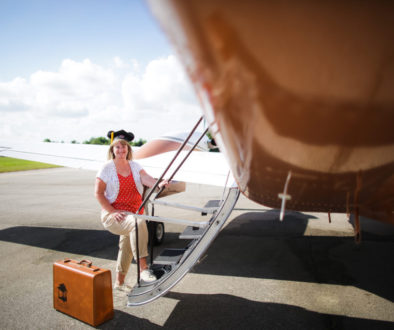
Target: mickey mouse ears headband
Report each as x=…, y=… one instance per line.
x=120, y=135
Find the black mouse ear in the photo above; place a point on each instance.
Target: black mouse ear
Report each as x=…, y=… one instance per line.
x=109, y=134
x=131, y=136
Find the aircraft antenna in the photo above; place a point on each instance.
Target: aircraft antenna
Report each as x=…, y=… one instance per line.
x=284, y=196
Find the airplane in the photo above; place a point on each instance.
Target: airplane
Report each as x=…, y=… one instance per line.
x=298, y=95
x=299, y=98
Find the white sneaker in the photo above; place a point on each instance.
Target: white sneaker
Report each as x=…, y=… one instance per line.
x=122, y=287
x=147, y=276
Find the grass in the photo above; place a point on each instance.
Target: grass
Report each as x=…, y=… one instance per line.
x=8, y=164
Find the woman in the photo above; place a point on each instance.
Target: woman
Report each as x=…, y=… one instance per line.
x=119, y=188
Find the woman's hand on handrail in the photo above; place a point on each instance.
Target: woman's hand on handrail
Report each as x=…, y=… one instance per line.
x=163, y=183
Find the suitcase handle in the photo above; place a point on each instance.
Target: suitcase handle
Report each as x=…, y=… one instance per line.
x=84, y=261
x=88, y=262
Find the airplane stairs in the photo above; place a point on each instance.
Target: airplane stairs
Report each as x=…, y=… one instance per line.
x=173, y=264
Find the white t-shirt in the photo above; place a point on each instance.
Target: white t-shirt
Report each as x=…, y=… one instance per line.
x=109, y=176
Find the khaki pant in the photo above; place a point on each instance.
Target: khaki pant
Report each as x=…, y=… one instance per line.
x=127, y=244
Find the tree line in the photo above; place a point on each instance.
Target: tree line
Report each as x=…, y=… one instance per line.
x=101, y=140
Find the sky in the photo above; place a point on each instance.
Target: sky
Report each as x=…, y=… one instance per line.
x=75, y=69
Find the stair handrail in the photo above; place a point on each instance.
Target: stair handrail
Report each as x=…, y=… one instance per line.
x=162, y=188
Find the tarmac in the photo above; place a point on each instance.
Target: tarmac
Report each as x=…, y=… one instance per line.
x=259, y=273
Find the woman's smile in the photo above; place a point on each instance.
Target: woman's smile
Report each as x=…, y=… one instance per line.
x=120, y=150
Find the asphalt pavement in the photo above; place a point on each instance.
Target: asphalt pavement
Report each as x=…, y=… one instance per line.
x=259, y=273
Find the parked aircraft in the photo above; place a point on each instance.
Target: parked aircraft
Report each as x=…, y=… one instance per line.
x=299, y=98
x=298, y=95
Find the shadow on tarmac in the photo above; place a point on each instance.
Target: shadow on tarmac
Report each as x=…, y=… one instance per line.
x=95, y=243
x=88, y=242
x=255, y=244
x=229, y=311
x=220, y=311
x=125, y=321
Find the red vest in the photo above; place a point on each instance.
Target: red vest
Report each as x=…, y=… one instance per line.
x=129, y=199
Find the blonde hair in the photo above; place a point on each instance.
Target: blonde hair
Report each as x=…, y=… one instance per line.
x=111, y=154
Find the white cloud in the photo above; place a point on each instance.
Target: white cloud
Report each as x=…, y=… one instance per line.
x=14, y=96
x=83, y=99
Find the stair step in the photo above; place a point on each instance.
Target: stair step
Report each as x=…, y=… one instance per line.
x=191, y=232
x=174, y=273
x=169, y=257
x=213, y=203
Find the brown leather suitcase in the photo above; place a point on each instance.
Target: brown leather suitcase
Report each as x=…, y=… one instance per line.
x=83, y=291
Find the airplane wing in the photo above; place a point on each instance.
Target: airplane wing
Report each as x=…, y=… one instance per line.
x=201, y=167
x=83, y=156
